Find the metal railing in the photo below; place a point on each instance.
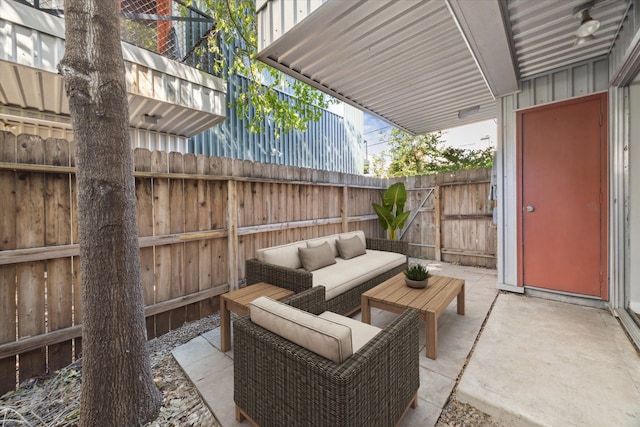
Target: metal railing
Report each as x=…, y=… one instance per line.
x=171, y=28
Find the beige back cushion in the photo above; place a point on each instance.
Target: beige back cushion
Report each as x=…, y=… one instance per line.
x=283, y=255
x=350, y=234
x=324, y=337
x=331, y=240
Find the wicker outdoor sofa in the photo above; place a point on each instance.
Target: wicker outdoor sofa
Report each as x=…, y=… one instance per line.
x=279, y=383
x=345, y=299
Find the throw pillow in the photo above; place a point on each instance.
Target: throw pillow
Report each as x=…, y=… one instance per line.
x=315, y=258
x=351, y=248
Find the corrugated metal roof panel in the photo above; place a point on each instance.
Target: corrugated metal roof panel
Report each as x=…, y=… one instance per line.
x=39, y=90
x=402, y=61
x=544, y=32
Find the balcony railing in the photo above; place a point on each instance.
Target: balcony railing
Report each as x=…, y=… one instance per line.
x=171, y=28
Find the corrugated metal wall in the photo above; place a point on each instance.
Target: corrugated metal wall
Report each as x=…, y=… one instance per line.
x=334, y=143
x=576, y=80
x=572, y=81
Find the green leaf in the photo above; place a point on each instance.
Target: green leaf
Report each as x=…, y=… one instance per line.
x=385, y=216
x=396, y=195
x=400, y=220
x=258, y=103
x=426, y=154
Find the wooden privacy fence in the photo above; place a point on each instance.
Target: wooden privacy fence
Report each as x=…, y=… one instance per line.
x=452, y=218
x=199, y=219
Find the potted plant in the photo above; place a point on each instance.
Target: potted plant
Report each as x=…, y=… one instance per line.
x=391, y=213
x=416, y=276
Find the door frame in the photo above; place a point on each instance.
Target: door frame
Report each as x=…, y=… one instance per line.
x=604, y=256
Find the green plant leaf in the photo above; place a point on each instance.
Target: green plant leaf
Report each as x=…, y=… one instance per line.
x=399, y=221
x=385, y=216
x=396, y=195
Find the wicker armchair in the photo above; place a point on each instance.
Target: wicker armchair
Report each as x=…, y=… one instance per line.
x=278, y=383
x=298, y=280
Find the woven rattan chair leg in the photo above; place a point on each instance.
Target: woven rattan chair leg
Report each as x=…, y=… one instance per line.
x=413, y=405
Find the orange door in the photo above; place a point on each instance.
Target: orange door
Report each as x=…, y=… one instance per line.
x=562, y=212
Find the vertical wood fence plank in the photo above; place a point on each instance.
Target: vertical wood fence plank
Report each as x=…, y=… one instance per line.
x=345, y=209
x=220, y=247
x=30, y=234
x=259, y=215
x=299, y=233
x=232, y=225
x=282, y=208
x=8, y=306
x=248, y=215
x=240, y=245
x=206, y=203
x=161, y=226
x=58, y=232
x=191, y=249
x=176, y=219
x=144, y=211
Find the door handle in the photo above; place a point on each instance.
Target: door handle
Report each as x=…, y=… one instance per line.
x=530, y=208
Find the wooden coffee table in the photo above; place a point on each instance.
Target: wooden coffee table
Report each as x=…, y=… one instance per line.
x=395, y=296
x=238, y=301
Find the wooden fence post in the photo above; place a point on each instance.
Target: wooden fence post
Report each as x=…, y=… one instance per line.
x=438, y=222
x=345, y=209
x=232, y=224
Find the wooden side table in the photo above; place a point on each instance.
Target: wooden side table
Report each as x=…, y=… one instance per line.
x=238, y=301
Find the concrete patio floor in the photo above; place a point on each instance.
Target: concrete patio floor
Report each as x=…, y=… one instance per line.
x=510, y=374
x=549, y=363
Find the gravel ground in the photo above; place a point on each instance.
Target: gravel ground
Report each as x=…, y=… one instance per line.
x=55, y=401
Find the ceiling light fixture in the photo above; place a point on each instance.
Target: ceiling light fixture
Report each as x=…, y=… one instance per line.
x=466, y=112
x=588, y=25
x=583, y=40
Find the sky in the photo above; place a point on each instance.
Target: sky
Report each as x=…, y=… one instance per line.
x=473, y=136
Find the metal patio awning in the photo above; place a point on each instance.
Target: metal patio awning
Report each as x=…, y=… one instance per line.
x=425, y=66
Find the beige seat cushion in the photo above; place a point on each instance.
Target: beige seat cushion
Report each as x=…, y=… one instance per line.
x=347, y=274
x=361, y=333
x=324, y=337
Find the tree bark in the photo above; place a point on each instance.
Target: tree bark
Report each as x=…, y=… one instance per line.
x=117, y=384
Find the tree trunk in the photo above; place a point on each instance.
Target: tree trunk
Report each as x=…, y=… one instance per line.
x=117, y=384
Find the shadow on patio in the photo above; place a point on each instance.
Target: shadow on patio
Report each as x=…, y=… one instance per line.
x=524, y=369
